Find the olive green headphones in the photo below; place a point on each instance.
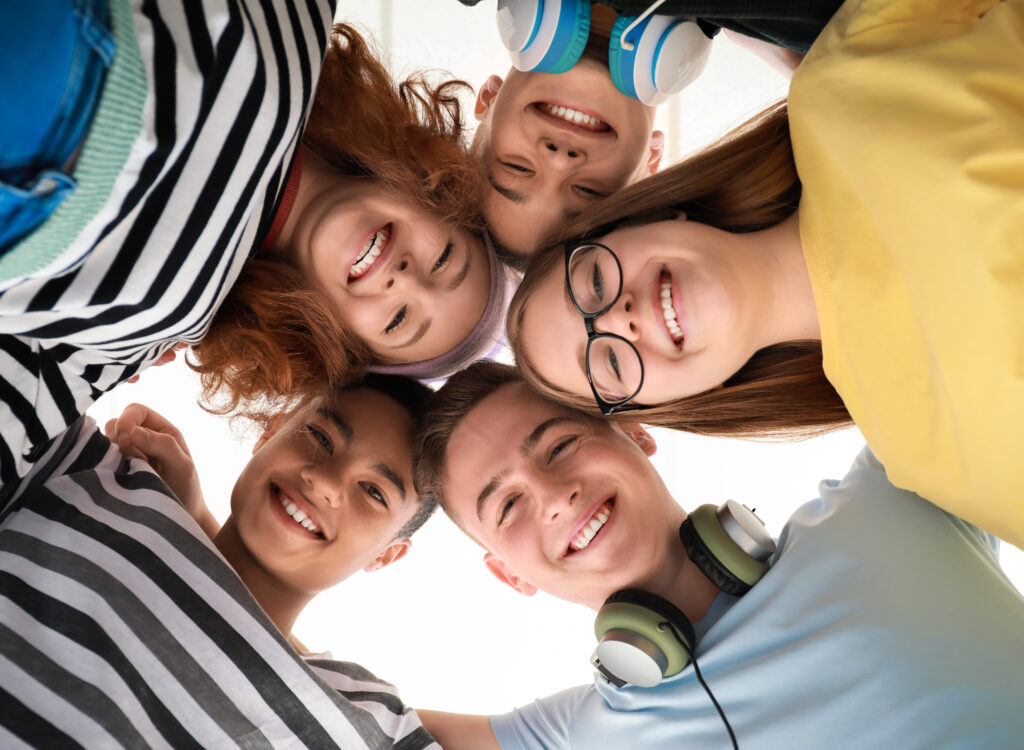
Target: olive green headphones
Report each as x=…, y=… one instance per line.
x=643, y=638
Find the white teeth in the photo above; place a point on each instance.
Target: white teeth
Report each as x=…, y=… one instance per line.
x=369, y=253
x=571, y=115
x=297, y=515
x=588, y=532
x=669, y=312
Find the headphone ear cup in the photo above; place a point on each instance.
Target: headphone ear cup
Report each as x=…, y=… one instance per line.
x=544, y=36
x=720, y=558
x=668, y=54
x=638, y=637
x=620, y=60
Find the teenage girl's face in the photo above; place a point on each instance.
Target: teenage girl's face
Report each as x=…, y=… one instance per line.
x=553, y=144
x=408, y=284
x=690, y=341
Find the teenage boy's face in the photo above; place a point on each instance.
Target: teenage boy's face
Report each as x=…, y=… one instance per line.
x=564, y=503
x=551, y=144
x=327, y=491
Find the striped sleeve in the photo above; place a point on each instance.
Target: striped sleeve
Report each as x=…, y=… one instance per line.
x=121, y=626
x=225, y=88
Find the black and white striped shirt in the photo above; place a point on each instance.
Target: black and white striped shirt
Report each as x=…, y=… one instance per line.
x=223, y=90
x=122, y=626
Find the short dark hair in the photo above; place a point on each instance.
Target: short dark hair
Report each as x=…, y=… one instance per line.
x=444, y=411
x=412, y=396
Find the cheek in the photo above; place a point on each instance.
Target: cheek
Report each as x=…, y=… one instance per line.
x=365, y=317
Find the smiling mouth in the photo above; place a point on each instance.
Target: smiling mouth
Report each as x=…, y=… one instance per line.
x=668, y=309
x=581, y=120
x=297, y=515
x=592, y=528
x=370, y=253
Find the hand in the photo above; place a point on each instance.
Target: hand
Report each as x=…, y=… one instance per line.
x=163, y=359
x=143, y=433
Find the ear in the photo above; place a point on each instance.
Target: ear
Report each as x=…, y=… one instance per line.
x=273, y=425
x=485, y=96
x=635, y=432
x=657, y=151
x=394, y=551
x=504, y=573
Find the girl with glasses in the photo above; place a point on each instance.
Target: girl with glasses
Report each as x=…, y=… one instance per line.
x=882, y=285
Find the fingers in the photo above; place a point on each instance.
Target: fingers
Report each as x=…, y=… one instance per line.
x=121, y=429
x=170, y=354
x=161, y=450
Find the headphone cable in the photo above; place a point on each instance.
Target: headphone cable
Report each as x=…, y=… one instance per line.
x=700, y=679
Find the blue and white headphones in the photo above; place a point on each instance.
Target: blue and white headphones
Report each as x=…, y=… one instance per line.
x=650, y=56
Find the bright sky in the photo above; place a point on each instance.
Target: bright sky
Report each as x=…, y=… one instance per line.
x=436, y=624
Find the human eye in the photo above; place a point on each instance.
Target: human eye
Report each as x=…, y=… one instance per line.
x=613, y=365
x=597, y=281
x=321, y=438
x=516, y=167
x=374, y=492
x=588, y=192
x=442, y=261
x=561, y=445
x=506, y=508
x=396, y=321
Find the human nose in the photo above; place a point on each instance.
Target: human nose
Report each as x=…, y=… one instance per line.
x=399, y=275
x=561, y=153
x=323, y=482
x=558, y=494
x=622, y=318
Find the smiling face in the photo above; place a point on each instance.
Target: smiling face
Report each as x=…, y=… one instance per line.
x=688, y=307
x=325, y=494
x=566, y=503
x=409, y=285
x=552, y=144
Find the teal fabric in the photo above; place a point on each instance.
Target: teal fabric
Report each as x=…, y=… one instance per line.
x=115, y=126
x=883, y=622
x=55, y=56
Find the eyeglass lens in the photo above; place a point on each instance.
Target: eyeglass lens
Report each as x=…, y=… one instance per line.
x=595, y=283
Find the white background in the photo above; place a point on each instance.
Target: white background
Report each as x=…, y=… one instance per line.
x=436, y=624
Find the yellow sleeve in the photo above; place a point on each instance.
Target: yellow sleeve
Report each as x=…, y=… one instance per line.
x=908, y=130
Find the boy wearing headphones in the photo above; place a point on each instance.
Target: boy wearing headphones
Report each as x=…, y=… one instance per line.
x=573, y=121
x=122, y=625
x=880, y=620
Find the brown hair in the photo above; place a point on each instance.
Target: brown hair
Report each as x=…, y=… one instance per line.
x=443, y=413
x=275, y=339
x=745, y=182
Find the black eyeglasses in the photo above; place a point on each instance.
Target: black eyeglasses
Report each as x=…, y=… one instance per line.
x=614, y=369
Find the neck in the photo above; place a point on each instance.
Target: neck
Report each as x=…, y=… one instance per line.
x=679, y=580
x=281, y=602
x=781, y=283
x=316, y=176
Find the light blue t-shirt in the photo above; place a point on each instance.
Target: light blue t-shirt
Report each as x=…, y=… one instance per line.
x=883, y=622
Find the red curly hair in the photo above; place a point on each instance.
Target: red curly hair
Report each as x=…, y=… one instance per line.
x=275, y=339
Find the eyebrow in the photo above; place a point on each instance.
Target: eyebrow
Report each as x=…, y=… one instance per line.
x=461, y=275
x=516, y=197
x=343, y=427
x=420, y=332
x=525, y=448
x=581, y=354
x=392, y=476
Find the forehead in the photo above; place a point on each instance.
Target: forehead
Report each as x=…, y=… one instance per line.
x=365, y=416
x=489, y=437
